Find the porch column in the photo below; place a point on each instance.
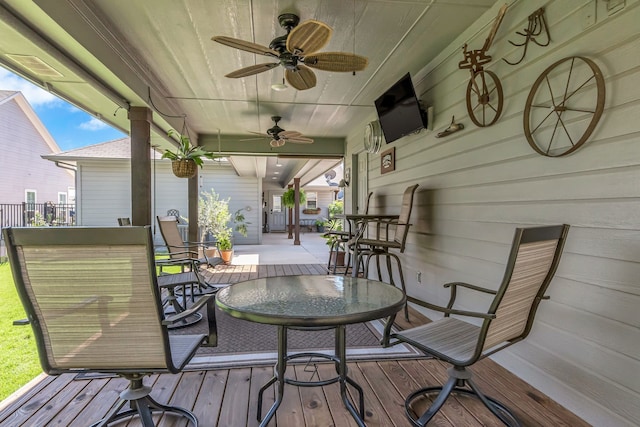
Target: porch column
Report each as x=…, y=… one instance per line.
x=140, y=118
x=296, y=186
x=193, y=196
x=290, y=220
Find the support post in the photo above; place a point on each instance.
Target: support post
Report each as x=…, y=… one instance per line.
x=140, y=118
x=296, y=186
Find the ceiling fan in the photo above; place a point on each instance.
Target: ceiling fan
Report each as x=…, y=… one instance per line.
x=280, y=136
x=296, y=52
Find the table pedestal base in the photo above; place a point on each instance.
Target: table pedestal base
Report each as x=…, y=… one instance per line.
x=340, y=361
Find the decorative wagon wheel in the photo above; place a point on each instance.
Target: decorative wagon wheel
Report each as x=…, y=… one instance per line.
x=564, y=106
x=484, y=98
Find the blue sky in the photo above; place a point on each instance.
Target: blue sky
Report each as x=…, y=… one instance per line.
x=70, y=127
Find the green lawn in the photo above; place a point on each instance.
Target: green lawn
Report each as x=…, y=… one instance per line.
x=19, y=362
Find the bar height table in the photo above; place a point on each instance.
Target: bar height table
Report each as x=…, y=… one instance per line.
x=311, y=302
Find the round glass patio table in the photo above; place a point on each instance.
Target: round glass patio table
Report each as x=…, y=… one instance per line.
x=311, y=302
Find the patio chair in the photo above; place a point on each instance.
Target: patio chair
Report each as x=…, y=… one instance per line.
x=124, y=222
x=533, y=260
x=339, y=238
x=184, y=254
x=385, y=241
x=92, y=299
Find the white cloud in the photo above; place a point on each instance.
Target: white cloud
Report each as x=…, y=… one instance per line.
x=93, y=124
x=37, y=97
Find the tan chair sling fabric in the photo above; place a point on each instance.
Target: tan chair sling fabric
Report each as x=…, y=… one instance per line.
x=534, y=257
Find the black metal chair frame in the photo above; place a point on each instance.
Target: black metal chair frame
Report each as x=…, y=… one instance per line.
x=382, y=246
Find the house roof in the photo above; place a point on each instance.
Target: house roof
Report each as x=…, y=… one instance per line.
x=115, y=149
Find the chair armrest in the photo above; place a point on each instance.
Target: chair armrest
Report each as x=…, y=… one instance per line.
x=454, y=288
x=469, y=286
x=208, y=300
x=448, y=310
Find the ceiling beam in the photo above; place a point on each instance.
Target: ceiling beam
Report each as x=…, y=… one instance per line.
x=238, y=145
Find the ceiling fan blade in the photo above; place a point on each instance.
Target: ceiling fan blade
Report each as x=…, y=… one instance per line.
x=308, y=37
x=251, y=139
x=245, y=45
x=302, y=78
x=251, y=70
x=289, y=134
x=336, y=61
x=300, y=140
x=259, y=133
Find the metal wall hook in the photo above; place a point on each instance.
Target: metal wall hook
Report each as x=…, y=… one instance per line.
x=453, y=127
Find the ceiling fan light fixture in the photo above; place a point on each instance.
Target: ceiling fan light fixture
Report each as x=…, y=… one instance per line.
x=279, y=87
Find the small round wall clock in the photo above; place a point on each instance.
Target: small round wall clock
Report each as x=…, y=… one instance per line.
x=564, y=106
x=373, y=137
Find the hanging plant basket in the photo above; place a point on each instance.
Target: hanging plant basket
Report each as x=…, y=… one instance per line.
x=184, y=168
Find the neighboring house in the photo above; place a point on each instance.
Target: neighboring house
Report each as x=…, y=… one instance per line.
x=103, y=182
x=25, y=176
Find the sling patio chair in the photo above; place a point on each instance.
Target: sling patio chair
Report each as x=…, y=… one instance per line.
x=338, y=238
x=185, y=254
x=385, y=241
x=535, y=254
x=124, y=222
x=92, y=298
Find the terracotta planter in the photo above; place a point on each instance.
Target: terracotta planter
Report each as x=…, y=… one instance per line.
x=337, y=258
x=226, y=255
x=184, y=168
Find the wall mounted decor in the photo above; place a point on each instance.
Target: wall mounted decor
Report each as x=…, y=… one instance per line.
x=453, y=127
x=484, y=91
x=564, y=106
x=373, y=137
x=388, y=160
x=537, y=24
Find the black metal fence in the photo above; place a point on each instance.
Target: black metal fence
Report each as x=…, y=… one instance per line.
x=37, y=214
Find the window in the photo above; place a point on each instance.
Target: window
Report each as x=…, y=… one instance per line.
x=30, y=197
x=30, y=204
x=277, y=203
x=312, y=200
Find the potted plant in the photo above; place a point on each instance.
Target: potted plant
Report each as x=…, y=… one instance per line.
x=214, y=217
x=186, y=157
x=289, y=198
x=332, y=237
x=320, y=224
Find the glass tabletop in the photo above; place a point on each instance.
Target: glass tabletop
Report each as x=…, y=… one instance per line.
x=310, y=300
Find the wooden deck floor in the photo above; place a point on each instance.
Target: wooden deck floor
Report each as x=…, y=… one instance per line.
x=227, y=397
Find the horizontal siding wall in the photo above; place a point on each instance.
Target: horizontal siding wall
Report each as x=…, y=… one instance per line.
x=479, y=184
x=21, y=167
x=104, y=194
x=243, y=193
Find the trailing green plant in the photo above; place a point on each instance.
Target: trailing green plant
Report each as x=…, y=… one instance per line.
x=186, y=151
x=336, y=208
x=289, y=198
x=214, y=217
x=332, y=224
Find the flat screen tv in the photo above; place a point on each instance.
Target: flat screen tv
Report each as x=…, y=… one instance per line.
x=399, y=110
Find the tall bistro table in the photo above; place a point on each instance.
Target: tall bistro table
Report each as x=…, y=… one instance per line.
x=311, y=302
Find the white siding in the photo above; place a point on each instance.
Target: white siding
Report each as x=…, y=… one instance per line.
x=243, y=192
x=477, y=185
x=104, y=194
